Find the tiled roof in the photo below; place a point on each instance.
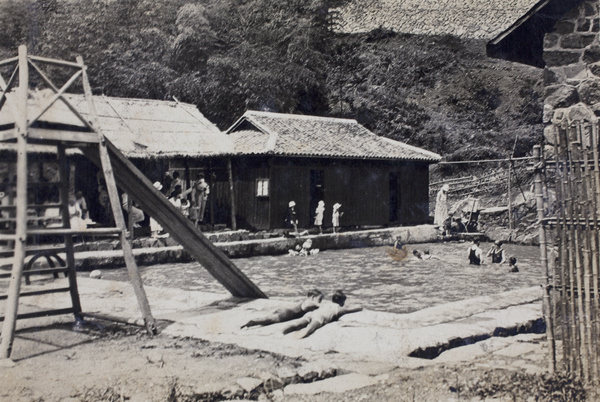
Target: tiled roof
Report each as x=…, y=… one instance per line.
x=478, y=19
x=261, y=133
x=140, y=128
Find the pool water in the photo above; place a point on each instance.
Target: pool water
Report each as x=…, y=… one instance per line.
x=369, y=276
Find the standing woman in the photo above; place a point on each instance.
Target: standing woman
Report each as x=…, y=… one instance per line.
x=441, y=206
x=319, y=216
x=335, y=216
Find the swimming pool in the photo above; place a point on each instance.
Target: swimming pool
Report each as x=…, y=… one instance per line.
x=369, y=276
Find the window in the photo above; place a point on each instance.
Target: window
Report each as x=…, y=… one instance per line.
x=262, y=187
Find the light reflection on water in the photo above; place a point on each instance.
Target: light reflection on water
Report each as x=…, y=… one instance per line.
x=369, y=276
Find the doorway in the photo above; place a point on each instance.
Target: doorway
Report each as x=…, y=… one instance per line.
x=394, y=197
x=317, y=190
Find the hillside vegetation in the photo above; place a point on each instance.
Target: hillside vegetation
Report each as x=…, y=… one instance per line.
x=226, y=56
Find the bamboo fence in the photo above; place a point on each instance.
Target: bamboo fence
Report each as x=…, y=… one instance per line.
x=569, y=246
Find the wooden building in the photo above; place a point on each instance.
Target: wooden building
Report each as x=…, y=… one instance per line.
x=157, y=136
x=282, y=157
x=263, y=161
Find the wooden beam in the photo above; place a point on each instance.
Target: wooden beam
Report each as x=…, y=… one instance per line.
x=63, y=171
x=46, y=134
x=55, y=62
x=115, y=203
x=8, y=86
x=44, y=313
x=7, y=135
x=8, y=61
x=14, y=288
x=41, y=292
x=59, y=94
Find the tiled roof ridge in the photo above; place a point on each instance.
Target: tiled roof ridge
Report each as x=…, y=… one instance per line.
x=299, y=116
x=477, y=19
x=414, y=148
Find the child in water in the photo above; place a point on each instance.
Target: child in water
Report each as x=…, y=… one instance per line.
x=512, y=265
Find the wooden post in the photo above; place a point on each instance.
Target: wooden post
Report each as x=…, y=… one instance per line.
x=563, y=253
x=584, y=249
x=111, y=187
x=575, y=362
x=591, y=253
x=231, y=194
x=576, y=244
x=539, y=198
x=510, y=217
x=595, y=184
x=68, y=239
x=21, y=125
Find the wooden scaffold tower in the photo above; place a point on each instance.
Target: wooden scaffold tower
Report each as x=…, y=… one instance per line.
x=28, y=128
x=30, y=125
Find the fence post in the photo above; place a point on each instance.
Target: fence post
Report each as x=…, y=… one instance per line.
x=509, y=179
x=547, y=306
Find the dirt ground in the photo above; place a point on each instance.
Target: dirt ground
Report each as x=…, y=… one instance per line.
x=102, y=361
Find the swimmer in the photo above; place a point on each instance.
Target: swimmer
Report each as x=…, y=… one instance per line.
x=312, y=302
x=475, y=253
x=326, y=313
x=497, y=253
x=512, y=265
x=426, y=255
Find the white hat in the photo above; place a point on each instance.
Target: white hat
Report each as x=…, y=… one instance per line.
x=292, y=204
x=445, y=187
x=337, y=206
x=157, y=185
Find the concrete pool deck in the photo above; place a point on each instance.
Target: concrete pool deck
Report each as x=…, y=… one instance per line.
x=368, y=343
x=169, y=252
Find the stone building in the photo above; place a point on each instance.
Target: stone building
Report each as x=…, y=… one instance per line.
x=562, y=38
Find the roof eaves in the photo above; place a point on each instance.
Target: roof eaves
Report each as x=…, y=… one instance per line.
x=424, y=152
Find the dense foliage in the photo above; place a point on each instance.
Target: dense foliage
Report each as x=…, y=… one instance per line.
x=227, y=56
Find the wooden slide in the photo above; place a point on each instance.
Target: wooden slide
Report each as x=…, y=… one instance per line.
x=153, y=202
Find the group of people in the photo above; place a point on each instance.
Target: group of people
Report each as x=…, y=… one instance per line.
x=190, y=202
x=306, y=249
x=496, y=253
x=291, y=218
x=308, y=315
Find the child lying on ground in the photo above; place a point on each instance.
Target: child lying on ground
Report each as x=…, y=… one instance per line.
x=312, y=302
x=326, y=313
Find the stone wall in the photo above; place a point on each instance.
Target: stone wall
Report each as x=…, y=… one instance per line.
x=572, y=73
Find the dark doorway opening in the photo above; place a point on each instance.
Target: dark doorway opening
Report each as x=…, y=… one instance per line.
x=317, y=191
x=394, y=197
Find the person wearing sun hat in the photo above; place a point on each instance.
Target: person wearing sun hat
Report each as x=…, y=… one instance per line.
x=335, y=216
x=291, y=217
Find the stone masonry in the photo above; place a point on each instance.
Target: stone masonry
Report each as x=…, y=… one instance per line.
x=572, y=73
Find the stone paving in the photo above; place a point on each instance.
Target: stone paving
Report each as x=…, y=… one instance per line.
x=367, y=344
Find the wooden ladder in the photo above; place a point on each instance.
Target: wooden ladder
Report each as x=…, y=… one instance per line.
x=30, y=129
